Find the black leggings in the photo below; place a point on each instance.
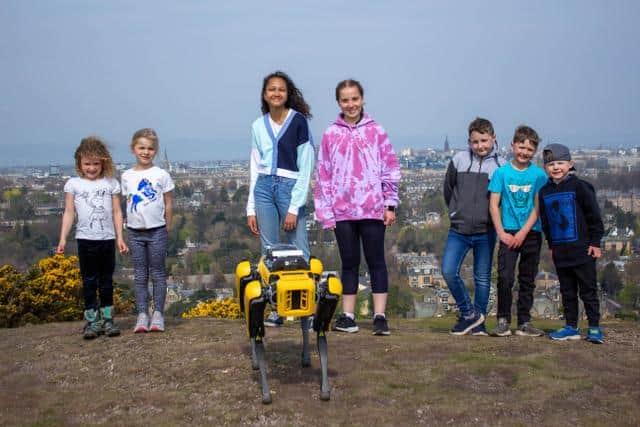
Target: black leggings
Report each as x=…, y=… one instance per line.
x=371, y=233
x=97, y=262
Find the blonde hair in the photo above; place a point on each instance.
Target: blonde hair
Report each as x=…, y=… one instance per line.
x=94, y=147
x=148, y=133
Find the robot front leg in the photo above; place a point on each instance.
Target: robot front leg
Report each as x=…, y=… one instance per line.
x=255, y=302
x=305, y=324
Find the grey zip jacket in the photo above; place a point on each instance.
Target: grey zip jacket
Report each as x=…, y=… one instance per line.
x=466, y=190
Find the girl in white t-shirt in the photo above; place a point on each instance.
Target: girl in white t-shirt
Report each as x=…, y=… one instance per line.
x=94, y=196
x=149, y=193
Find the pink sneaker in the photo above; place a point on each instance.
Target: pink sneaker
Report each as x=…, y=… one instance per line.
x=157, y=322
x=142, y=324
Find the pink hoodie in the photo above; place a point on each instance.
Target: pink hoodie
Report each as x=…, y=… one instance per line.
x=357, y=174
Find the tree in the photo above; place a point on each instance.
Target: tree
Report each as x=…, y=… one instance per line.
x=610, y=279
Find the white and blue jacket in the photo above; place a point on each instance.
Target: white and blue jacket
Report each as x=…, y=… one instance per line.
x=290, y=154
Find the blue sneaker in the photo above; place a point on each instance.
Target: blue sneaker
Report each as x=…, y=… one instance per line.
x=565, y=333
x=480, y=331
x=594, y=335
x=466, y=324
x=274, y=320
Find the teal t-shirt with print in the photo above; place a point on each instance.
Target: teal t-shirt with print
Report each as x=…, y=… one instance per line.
x=518, y=189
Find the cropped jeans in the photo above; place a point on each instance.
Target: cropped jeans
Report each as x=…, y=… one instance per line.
x=456, y=248
x=272, y=195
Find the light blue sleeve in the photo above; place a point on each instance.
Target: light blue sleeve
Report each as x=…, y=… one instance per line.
x=495, y=185
x=306, y=160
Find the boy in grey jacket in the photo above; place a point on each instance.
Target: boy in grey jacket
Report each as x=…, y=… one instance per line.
x=467, y=197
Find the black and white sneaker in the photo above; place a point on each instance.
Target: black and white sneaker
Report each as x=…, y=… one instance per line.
x=380, y=326
x=345, y=324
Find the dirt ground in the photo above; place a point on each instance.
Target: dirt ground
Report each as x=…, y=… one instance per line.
x=199, y=373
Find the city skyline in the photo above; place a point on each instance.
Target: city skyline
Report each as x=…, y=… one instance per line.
x=193, y=71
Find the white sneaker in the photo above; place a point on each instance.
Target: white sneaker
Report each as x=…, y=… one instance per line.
x=142, y=324
x=157, y=322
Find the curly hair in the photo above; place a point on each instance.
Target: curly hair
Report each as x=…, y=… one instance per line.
x=295, y=99
x=94, y=147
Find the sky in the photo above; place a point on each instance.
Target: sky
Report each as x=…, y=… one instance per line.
x=193, y=71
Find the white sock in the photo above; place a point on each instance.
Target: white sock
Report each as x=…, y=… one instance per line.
x=379, y=314
x=350, y=316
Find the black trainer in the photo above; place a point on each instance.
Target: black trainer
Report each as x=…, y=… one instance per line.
x=380, y=326
x=345, y=324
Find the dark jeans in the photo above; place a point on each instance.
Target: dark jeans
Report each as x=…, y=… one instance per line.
x=582, y=279
x=97, y=262
x=371, y=233
x=529, y=254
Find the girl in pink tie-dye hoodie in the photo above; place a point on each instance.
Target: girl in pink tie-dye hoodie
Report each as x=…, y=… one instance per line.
x=356, y=195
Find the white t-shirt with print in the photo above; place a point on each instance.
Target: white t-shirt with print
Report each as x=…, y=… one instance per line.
x=93, y=202
x=144, y=190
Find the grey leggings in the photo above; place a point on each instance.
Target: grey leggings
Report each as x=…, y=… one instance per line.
x=148, y=251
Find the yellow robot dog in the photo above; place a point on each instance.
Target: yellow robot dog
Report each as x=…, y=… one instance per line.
x=294, y=286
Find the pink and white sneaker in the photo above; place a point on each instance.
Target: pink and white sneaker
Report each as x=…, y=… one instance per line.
x=142, y=324
x=157, y=322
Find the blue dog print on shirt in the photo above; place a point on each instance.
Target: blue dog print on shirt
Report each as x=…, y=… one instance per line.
x=147, y=191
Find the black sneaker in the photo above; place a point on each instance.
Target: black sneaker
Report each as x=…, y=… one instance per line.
x=466, y=324
x=345, y=324
x=380, y=326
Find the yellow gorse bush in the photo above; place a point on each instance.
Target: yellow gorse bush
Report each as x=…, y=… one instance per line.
x=225, y=309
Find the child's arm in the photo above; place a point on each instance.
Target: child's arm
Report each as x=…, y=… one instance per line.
x=117, y=224
x=494, y=210
x=168, y=208
x=544, y=222
x=591, y=210
x=67, y=221
x=449, y=182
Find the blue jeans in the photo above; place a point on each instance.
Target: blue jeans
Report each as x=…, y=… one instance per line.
x=148, y=253
x=457, y=247
x=272, y=195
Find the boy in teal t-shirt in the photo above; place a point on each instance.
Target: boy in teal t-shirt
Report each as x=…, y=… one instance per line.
x=513, y=207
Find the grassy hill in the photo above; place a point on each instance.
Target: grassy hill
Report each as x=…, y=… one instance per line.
x=199, y=373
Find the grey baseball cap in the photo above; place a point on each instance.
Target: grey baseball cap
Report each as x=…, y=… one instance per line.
x=556, y=152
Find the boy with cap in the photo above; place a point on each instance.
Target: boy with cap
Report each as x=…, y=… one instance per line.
x=573, y=227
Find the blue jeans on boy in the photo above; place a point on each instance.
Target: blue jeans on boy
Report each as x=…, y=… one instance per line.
x=272, y=195
x=456, y=248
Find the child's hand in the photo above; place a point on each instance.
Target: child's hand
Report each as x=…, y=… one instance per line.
x=252, y=223
x=122, y=247
x=290, y=222
x=518, y=239
x=506, y=238
x=60, y=247
x=594, y=252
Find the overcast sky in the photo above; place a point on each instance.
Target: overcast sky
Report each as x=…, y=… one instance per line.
x=193, y=70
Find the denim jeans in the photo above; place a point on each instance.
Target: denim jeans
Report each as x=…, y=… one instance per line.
x=272, y=196
x=456, y=248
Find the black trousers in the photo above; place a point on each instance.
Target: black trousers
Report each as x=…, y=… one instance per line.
x=529, y=254
x=97, y=262
x=582, y=280
x=371, y=233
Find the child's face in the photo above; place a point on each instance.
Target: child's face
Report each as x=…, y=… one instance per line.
x=523, y=152
x=275, y=94
x=350, y=101
x=481, y=143
x=91, y=167
x=145, y=151
x=558, y=169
